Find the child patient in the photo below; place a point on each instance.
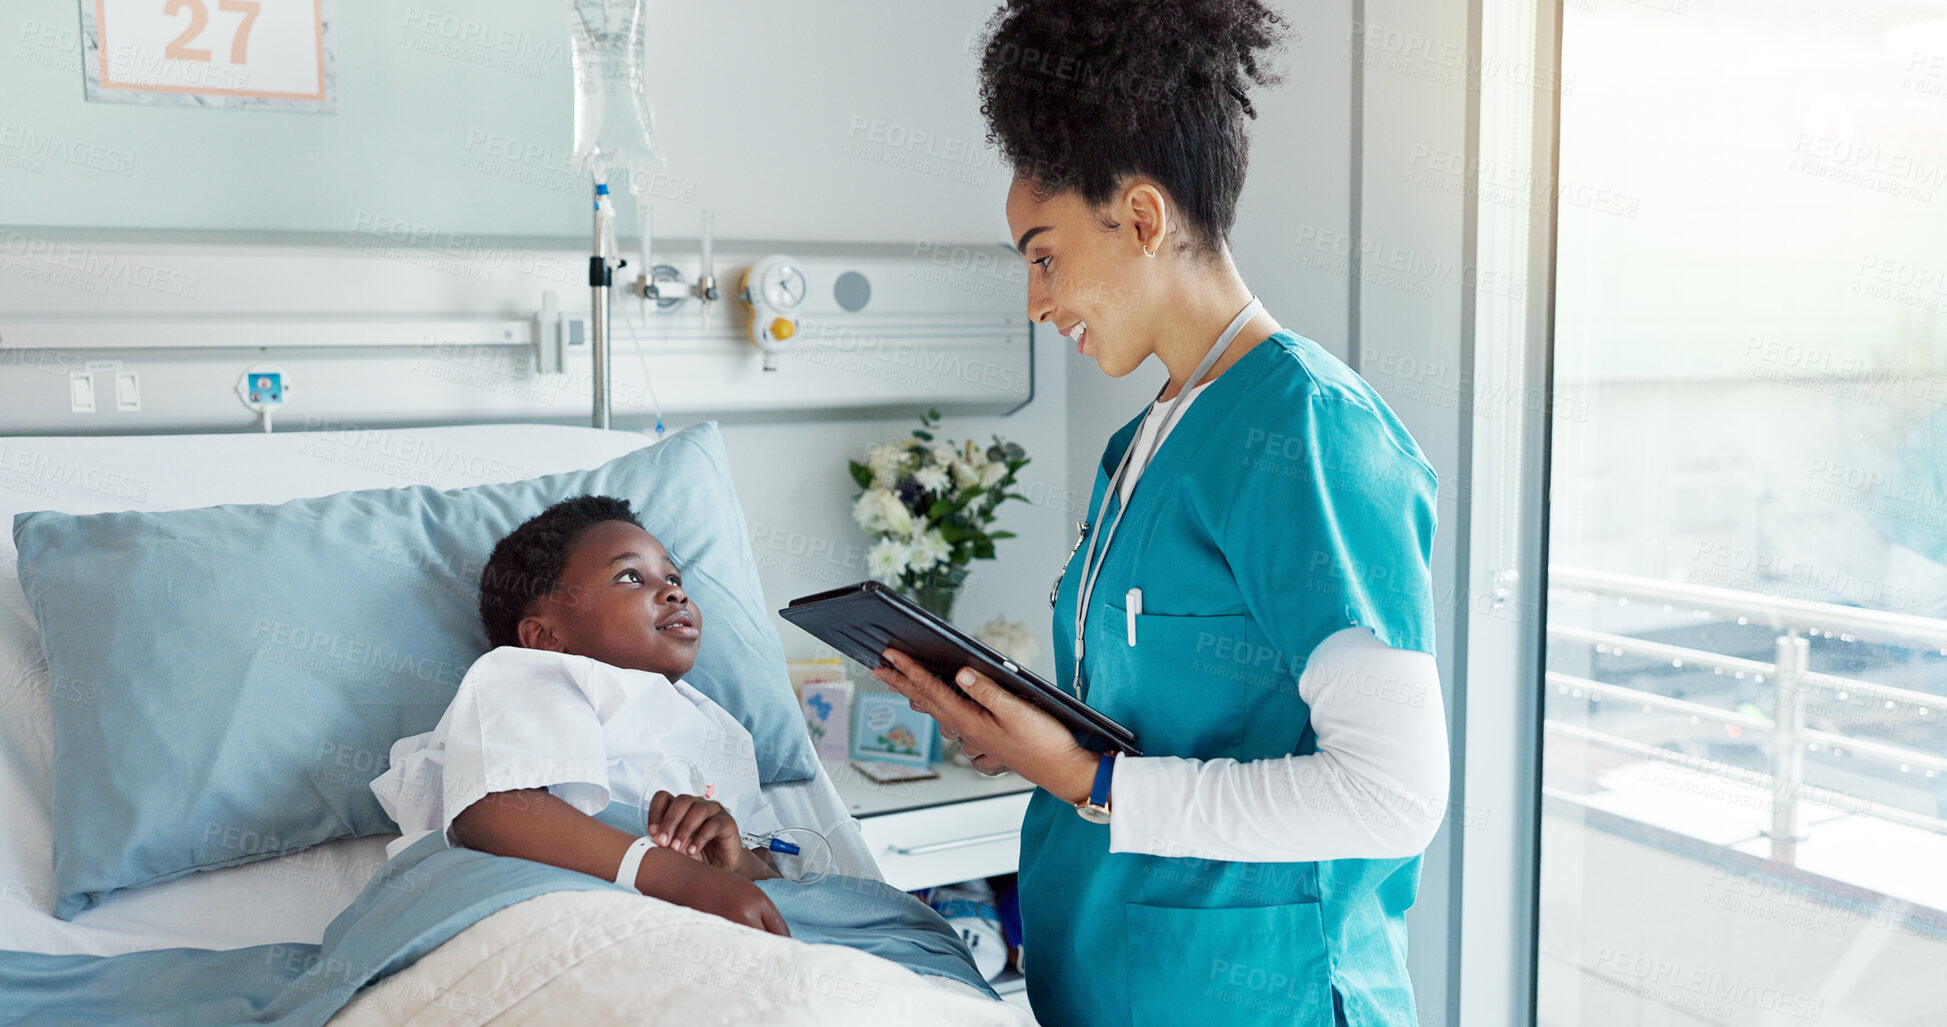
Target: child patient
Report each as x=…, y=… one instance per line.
x=580, y=705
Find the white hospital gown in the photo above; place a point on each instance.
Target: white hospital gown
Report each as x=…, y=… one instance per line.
x=587, y=732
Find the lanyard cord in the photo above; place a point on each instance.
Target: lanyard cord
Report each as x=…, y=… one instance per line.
x=1091, y=567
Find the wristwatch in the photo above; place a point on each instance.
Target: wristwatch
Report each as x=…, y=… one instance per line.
x=1095, y=809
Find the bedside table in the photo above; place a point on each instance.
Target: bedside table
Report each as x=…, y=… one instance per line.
x=952, y=828
x=956, y=827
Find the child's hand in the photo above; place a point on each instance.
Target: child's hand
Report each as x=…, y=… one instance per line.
x=697, y=827
x=693, y=883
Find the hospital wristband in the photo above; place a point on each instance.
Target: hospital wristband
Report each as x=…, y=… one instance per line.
x=632, y=862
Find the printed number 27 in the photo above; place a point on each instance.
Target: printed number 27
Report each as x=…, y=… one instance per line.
x=199, y=16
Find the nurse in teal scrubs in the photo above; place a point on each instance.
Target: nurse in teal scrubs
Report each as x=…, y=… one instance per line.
x=1283, y=506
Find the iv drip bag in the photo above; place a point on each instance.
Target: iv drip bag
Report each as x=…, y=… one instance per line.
x=614, y=130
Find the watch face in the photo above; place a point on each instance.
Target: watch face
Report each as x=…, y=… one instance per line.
x=784, y=286
x=1093, y=814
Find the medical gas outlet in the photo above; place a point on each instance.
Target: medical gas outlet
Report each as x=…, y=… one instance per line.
x=262, y=389
x=774, y=288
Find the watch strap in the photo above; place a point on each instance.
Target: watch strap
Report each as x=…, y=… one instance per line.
x=1104, y=774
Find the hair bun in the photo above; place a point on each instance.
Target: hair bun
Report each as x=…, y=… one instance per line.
x=1082, y=93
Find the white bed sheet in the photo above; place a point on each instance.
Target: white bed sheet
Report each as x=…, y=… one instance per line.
x=290, y=899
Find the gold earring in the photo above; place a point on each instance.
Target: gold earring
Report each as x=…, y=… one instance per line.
x=1147, y=252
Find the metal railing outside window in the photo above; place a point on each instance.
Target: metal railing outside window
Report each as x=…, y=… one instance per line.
x=1790, y=681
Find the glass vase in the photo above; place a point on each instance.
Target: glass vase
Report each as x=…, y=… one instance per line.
x=937, y=599
x=936, y=589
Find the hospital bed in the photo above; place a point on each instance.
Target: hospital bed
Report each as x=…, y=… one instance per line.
x=515, y=958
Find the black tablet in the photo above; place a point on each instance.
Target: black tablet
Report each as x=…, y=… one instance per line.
x=864, y=620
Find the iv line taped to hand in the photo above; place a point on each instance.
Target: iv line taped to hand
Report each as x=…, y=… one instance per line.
x=805, y=858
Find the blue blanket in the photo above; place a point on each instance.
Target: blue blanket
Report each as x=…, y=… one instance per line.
x=422, y=897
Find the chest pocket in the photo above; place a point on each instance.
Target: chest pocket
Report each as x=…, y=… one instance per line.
x=1191, y=684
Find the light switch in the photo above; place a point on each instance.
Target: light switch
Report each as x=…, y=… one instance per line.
x=81, y=393
x=128, y=392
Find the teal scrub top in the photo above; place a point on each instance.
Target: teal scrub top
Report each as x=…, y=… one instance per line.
x=1287, y=503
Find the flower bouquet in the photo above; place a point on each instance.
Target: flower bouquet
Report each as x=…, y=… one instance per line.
x=932, y=502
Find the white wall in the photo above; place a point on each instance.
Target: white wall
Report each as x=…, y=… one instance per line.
x=458, y=116
x=792, y=480
x=836, y=123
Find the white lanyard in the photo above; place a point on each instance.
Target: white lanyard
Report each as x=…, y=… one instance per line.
x=1091, y=567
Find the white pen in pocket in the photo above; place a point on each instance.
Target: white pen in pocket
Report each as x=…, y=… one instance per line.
x=1133, y=602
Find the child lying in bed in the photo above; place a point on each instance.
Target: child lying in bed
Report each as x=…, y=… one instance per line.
x=580, y=705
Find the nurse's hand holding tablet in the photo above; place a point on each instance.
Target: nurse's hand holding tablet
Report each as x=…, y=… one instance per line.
x=996, y=730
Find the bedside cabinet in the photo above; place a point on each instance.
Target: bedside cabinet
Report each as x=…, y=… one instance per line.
x=956, y=827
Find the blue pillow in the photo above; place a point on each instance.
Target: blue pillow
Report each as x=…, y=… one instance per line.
x=236, y=675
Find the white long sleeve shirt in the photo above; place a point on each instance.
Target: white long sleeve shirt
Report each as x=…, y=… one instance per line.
x=1376, y=788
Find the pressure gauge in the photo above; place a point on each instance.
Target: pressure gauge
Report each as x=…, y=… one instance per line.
x=775, y=290
x=783, y=286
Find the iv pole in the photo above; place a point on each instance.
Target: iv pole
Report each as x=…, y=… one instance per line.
x=616, y=131
x=600, y=276
x=612, y=129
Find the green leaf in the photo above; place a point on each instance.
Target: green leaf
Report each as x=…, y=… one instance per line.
x=1002, y=534
x=861, y=474
x=927, y=435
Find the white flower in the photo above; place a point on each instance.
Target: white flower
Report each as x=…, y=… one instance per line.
x=879, y=510
x=942, y=452
x=885, y=462
x=929, y=549
x=991, y=473
x=1011, y=639
x=894, y=518
x=869, y=511
x=932, y=479
x=887, y=560
x=966, y=473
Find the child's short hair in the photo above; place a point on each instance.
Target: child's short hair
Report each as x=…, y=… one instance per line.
x=527, y=564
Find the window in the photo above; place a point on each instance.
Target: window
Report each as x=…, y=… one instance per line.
x=1744, y=763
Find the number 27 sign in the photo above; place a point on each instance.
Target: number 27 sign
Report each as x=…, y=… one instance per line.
x=268, y=54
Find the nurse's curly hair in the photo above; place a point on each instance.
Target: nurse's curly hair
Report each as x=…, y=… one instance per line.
x=527, y=564
x=1082, y=94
